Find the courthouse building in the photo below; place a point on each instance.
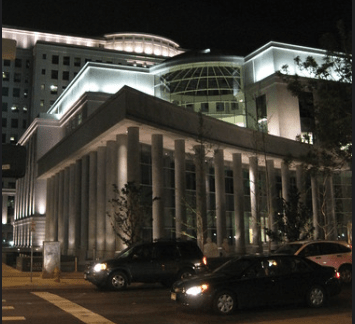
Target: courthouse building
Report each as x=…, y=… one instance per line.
x=125, y=108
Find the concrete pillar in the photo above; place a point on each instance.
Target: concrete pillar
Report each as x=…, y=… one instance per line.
x=238, y=204
x=92, y=205
x=332, y=229
x=300, y=183
x=272, y=199
x=54, y=231
x=101, y=203
x=180, y=189
x=285, y=181
x=84, y=210
x=111, y=176
x=72, y=211
x=66, y=192
x=133, y=156
x=49, y=209
x=317, y=223
x=61, y=209
x=158, y=186
x=201, y=200
x=5, y=199
x=121, y=165
x=220, y=196
x=255, y=204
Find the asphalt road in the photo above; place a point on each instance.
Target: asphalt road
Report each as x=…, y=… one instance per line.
x=150, y=304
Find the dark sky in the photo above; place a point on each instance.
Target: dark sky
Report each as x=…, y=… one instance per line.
x=241, y=26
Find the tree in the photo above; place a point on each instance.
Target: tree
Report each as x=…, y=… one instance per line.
x=294, y=223
x=130, y=213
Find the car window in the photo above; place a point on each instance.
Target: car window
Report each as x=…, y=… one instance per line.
x=234, y=267
x=288, y=249
x=143, y=252
x=165, y=252
x=343, y=249
x=293, y=265
x=310, y=250
x=263, y=268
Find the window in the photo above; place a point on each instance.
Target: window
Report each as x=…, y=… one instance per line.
x=24, y=124
x=16, y=92
x=13, y=139
x=28, y=63
x=204, y=107
x=54, y=74
x=234, y=105
x=25, y=93
x=5, y=91
x=54, y=89
x=261, y=114
x=4, y=106
x=4, y=122
x=4, y=139
x=43, y=71
x=77, y=61
x=65, y=75
x=18, y=63
x=5, y=76
x=17, y=77
x=55, y=59
x=14, y=123
x=66, y=60
x=14, y=108
x=219, y=106
x=44, y=56
x=24, y=109
x=41, y=103
x=7, y=62
x=43, y=86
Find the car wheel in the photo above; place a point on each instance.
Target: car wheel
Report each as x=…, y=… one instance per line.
x=225, y=302
x=316, y=297
x=117, y=281
x=185, y=273
x=346, y=274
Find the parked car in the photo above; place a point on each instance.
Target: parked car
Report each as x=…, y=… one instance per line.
x=337, y=254
x=257, y=280
x=161, y=261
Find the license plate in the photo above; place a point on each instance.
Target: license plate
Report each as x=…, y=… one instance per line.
x=173, y=296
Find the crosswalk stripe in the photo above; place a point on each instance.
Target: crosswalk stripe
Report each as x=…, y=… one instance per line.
x=7, y=307
x=76, y=310
x=13, y=318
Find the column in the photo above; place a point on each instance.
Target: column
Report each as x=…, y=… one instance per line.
x=317, y=234
x=285, y=180
x=71, y=214
x=49, y=208
x=300, y=183
x=121, y=166
x=332, y=229
x=66, y=186
x=133, y=156
x=238, y=195
x=54, y=222
x=101, y=202
x=5, y=199
x=180, y=187
x=61, y=209
x=254, y=204
x=92, y=205
x=272, y=199
x=158, y=186
x=220, y=196
x=84, y=210
x=111, y=176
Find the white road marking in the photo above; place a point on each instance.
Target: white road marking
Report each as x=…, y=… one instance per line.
x=8, y=307
x=76, y=310
x=13, y=318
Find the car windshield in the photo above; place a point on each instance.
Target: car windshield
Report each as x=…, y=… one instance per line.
x=288, y=248
x=234, y=267
x=124, y=253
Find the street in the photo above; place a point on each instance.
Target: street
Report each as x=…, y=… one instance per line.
x=150, y=304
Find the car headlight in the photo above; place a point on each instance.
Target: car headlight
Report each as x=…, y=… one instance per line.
x=100, y=266
x=196, y=290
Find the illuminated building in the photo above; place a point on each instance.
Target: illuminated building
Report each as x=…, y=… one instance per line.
x=127, y=112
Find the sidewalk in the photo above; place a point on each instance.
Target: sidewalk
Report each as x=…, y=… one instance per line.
x=13, y=278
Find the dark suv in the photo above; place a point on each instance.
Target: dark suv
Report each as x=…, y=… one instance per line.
x=161, y=261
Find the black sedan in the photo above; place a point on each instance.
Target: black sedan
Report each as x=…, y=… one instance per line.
x=250, y=281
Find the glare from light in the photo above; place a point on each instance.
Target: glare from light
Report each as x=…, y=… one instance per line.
x=100, y=267
x=196, y=290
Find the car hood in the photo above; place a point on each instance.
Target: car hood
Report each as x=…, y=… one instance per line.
x=200, y=279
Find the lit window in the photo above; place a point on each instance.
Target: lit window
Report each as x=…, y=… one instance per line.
x=41, y=103
x=24, y=109
x=25, y=93
x=43, y=86
x=5, y=76
x=14, y=108
x=54, y=89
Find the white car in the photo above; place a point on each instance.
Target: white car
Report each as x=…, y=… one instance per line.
x=336, y=254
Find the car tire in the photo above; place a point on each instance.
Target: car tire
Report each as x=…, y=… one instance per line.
x=346, y=274
x=117, y=281
x=225, y=302
x=316, y=297
x=185, y=273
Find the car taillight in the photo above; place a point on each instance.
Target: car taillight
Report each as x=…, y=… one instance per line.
x=337, y=275
x=204, y=260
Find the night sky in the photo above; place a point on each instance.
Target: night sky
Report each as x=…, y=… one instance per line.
x=239, y=26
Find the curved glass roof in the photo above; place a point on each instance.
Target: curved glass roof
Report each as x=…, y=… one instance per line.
x=210, y=80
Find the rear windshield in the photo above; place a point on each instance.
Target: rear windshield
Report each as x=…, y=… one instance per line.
x=288, y=249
